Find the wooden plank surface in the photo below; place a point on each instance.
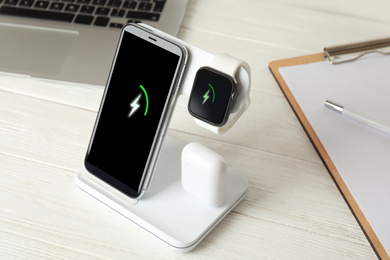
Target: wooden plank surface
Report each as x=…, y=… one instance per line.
x=293, y=209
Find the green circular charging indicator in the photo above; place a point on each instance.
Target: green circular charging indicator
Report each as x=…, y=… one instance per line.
x=213, y=91
x=147, y=99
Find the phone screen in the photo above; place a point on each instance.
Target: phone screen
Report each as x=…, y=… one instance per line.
x=132, y=113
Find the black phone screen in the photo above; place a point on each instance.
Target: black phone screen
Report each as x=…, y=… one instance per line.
x=132, y=111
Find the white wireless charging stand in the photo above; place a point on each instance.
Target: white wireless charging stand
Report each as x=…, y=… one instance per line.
x=167, y=211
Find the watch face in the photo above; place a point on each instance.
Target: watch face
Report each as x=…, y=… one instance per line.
x=210, y=96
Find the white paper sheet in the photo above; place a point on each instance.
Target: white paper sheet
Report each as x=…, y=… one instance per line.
x=361, y=154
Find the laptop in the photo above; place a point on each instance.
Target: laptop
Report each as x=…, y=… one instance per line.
x=74, y=40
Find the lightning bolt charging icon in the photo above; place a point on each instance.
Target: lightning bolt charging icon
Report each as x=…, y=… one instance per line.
x=134, y=105
x=206, y=96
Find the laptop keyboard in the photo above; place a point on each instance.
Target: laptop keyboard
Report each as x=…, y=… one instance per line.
x=104, y=13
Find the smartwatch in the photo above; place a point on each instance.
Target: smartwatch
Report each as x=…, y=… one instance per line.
x=215, y=90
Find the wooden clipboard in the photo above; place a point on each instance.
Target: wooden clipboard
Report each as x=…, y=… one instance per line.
x=368, y=230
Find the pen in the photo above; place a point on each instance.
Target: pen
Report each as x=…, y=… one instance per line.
x=358, y=117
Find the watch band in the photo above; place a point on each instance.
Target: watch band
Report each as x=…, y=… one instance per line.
x=239, y=70
x=227, y=64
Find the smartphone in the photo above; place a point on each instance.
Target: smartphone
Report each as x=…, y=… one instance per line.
x=135, y=110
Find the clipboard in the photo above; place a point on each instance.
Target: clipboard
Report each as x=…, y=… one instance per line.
x=334, y=55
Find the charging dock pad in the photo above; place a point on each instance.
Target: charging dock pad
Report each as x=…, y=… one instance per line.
x=167, y=211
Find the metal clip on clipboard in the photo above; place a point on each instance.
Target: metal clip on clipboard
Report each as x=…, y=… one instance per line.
x=351, y=52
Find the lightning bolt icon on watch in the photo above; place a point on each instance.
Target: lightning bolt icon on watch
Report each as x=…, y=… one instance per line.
x=135, y=103
x=206, y=95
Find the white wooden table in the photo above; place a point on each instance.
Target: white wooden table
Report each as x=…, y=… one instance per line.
x=293, y=209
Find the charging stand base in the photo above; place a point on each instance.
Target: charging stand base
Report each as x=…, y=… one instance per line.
x=166, y=210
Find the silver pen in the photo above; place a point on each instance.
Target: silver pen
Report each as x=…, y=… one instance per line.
x=358, y=117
